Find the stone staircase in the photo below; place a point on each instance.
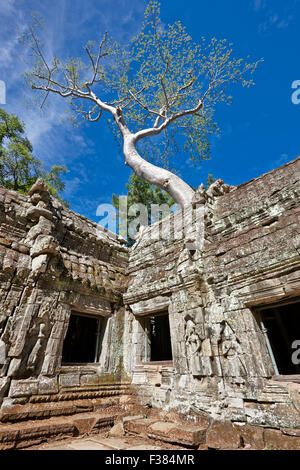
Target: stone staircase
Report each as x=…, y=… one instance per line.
x=31, y=433
x=24, y=434
x=112, y=427
x=22, y=426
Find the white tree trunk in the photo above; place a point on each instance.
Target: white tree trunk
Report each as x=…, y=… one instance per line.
x=180, y=191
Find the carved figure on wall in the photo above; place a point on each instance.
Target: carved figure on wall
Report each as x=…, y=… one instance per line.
x=194, y=335
x=4, y=360
x=38, y=335
x=34, y=355
x=193, y=344
x=25, y=346
x=230, y=349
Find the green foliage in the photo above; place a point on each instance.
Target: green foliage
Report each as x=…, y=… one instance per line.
x=210, y=180
x=140, y=191
x=19, y=169
x=53, y=180
x=160, y=76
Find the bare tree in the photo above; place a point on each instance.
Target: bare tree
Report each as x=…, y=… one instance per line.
x=162, y=83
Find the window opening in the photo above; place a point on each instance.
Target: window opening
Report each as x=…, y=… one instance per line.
x=83, y=342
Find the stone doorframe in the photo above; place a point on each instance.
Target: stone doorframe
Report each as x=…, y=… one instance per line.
x=143, y=368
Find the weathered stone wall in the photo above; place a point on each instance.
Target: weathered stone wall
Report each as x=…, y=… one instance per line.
x=54, y=261
x=236, y=249
x=241, y=251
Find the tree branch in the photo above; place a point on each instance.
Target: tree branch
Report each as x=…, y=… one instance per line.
x=99, y=56
x=53, y=90
x=151, y=111
x=156, y=130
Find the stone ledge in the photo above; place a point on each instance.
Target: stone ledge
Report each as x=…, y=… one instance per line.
x=138, y=426
x=29, y=411
x=22, y=435
x=225, y=435
x=190, y=436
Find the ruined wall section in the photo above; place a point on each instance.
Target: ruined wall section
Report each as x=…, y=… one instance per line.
x=242, y=251
x=54, y=261
x=251, y=257
x=255, y=228
x=164, y=262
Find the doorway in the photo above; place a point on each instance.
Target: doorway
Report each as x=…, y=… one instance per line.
x=82, y=342
x=281, y=326
x=158, y=345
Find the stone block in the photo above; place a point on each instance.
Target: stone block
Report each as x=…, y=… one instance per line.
x=117, y=430
x=50, y=364
x=89, y=379
x=139, y=378
x=39, y=263
x=252, y=436
x=5, y=242
x=104, y=422
x=126, y=419
x=35, y=431
x=177, y=433
x=274, y=439
x=4, y=384
x=139, y=426
x=23, y=388
x=235, y=402
x=223, y=435
x=8, y=437
x=44, y=244
x=152, y=305
x=34, y=213
x=47, y=385
x=84, y=424
x=291, y=431
x=69, y=380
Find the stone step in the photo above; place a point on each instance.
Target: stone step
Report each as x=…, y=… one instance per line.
x=186, y=435
x=175, y=433
x=32, y=411
x=138, y=425
x=24, y=434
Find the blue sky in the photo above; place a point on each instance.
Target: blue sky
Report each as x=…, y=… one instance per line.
x=260, y=130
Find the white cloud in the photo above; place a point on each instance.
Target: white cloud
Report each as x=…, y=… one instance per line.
x=6, y=7
x=279, y=19
x=284, y=158
x=270, y=21
x=68, y=26
x=276, y=21
x=284, y=23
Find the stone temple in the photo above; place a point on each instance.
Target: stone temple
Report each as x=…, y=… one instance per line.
x=198, y=323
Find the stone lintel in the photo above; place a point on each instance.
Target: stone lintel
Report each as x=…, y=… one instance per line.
x=144, y=307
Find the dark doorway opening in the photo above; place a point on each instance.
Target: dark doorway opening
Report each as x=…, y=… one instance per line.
x=282, y=326
x=160, y=338
x=82, y=340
